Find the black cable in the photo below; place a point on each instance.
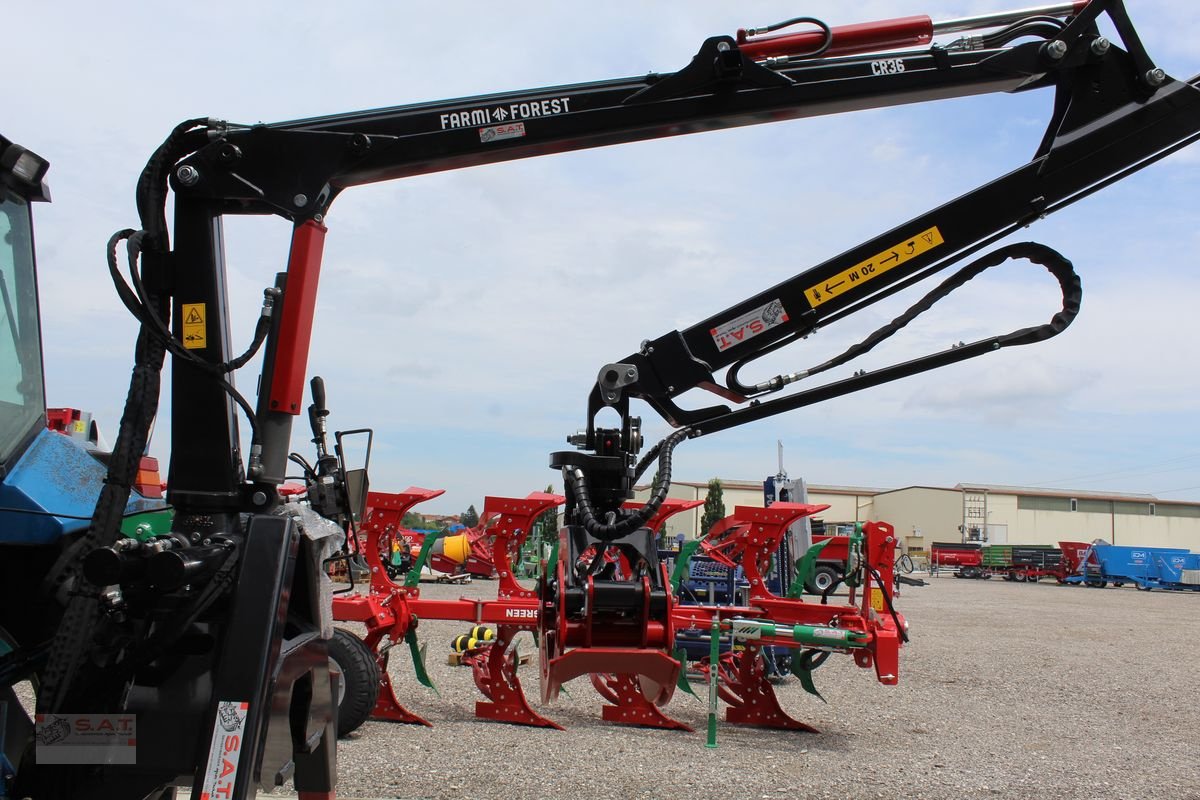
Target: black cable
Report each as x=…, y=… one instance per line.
x=887, y=599
x=137, y=301
x=787, y=23
x=854, y=308
x=310, y=474
x=609, y=530
x=1042, y=27
x=40, y=513
x=1054, y=262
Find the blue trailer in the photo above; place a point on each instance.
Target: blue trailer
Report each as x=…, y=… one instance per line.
x=1147, y=568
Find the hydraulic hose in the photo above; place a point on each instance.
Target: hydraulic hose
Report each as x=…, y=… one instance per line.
x=615, y=529
x=1053, y=261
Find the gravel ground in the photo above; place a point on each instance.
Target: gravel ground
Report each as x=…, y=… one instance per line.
x=1006, y=690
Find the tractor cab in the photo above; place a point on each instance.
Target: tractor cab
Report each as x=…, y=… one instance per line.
x=22, y=390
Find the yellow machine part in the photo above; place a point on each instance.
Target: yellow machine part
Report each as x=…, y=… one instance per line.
x=456, y=547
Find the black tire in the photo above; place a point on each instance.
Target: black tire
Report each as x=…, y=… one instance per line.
x=360, y=680
x=825, y=578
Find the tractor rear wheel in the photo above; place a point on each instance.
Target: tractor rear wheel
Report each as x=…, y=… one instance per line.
x=359, y=687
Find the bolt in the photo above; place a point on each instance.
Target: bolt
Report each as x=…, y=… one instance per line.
x=1100, y=45
x=300, y=200
x=1156, y=77
x=722, y=46
x=187, y=175
x=631, y=373
x=318, y=218
x=259, y=498
x=1056, y=49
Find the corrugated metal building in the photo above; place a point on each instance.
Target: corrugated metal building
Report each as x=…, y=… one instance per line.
x=979, y=512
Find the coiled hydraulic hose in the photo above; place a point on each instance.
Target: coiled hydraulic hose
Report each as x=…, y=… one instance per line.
x=613, y=528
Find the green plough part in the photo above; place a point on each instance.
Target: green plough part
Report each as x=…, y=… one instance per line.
x=853, y=576
x=418, y=657
x=146, y=526
x=805, y=568
x=803, y=666
x=681, y=563
x=683, y=683
x=552, y=562
x=413, y=578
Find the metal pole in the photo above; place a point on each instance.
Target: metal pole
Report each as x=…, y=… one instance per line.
x=714, y=664
x=1004, y=17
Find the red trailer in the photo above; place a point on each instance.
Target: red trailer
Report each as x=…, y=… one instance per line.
x=963, y=559
x=831, y=564
x=1077, y=558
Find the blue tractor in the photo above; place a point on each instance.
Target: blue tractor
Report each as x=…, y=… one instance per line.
x=154, y=657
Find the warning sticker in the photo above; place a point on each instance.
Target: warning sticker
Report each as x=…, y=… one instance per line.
x=220, y=771
x=829, y=633
x=195, y=335
x=877, y=598
x=873, y=267
x=748, y=325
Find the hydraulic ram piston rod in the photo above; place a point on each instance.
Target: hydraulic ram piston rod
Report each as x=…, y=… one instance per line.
x=866, y=37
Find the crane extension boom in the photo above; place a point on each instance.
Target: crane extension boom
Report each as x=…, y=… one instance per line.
x=1115, y=112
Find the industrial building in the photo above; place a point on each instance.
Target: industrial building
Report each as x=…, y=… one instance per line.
x=985, y=513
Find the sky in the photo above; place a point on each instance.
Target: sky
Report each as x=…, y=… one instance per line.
x=464, y=315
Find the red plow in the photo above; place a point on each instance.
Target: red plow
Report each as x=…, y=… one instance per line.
x=391, y=611
x=610, y=610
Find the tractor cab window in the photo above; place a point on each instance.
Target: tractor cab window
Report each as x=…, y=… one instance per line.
x=22, y=394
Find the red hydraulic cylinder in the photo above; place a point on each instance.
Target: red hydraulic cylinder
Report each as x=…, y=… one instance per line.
x=866, y=37
x=860, y=37
x=295, y=327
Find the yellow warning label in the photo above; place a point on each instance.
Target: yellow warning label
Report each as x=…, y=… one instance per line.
x=873, y=267
x=877, y=598
x=195, y=335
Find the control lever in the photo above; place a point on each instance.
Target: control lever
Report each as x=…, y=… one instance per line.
x=327, y=492
x=317, y=413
